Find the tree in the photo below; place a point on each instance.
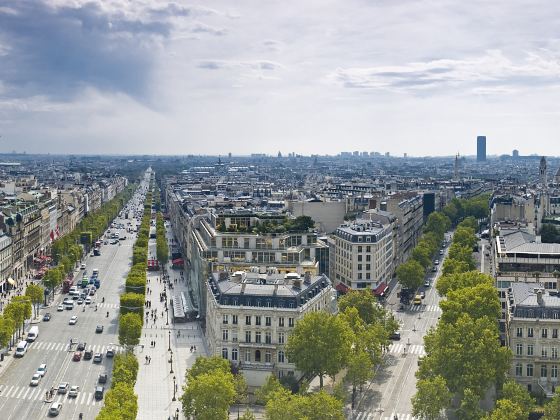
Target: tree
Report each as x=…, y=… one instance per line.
x=469, y=222
x=478, y=301
x=453, y=266
x=507, y=409
x=7, y=329
x=132, y=302
x=364, y=301
x=316, y=406
x=265, y=392
x=465, y=237
x=411, y=274
x=431, y=398
x=319, y=344
x=552, y=407
x=53, y=278
x=120, y=403
x=470, y=406
x=359, y=370
x=516, y=393
x=455, y=281
x=209, y=395
x=125, y=368
x=36, y=293
x=438, y=223
x=462, y=253
x=208, y=365
x=421, y=253
x=130, y=329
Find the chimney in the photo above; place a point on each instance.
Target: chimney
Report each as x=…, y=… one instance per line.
x=307, y=278
x=540, y=300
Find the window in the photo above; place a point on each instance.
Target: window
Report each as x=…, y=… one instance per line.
x=258, y=337
x=544, y=352
x=280, y=356
x=543, y=371
x=281, y=338
x=257, y=320
x=234, y=355
x=555, y=333
x=368, y=249
x=268, y=321
x=234, y=319
x=290, y=322
x=359, y=258
x=225, y=335
x=359, y=248
x=281, y=321
x=248, y=320
x=234, y=336
x=518, y=369
x=554, y=352
x=554, y=371
x=544, y=333
x=519, y=349
x=520, y=332
x=247, y=355
x=257, y=356
x=529, y=369
x=247, y=336
x=359, y=266
x=225, y=353
x=268, y=337
x=529, y=349
x=267, y=357
x=529, y=332
x=225, y=320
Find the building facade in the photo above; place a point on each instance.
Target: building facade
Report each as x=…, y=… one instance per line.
x=481, y=149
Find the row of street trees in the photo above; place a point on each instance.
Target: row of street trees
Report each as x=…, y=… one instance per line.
x=162, y=250
x=120, y=401
x=13, y=319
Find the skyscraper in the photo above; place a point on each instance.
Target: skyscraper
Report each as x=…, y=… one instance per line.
x=481, y=148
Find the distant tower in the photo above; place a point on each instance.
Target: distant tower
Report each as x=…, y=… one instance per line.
x=515, y=153
x=542, y=172
x=481, y=149
x=456, y=168
x=279, y=154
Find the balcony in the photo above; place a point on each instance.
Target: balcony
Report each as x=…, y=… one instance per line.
x=257, y=346
x=257, y=366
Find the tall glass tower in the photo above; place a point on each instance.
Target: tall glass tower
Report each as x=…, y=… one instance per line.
x=481, y=149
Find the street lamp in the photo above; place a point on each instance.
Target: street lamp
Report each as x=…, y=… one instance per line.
x=171, y=362
x=174, y=389
x=167, y=314
x=169, y=349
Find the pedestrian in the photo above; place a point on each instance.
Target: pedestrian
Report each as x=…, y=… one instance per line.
x=146, y=359
x=150, y=360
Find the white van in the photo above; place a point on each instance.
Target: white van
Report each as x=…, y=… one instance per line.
x=95, y=272
x=33, y=333
x=21, y=348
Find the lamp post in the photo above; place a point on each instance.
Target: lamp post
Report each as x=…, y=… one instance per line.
x=174, y=389
x=169, y=349
x=167, y=314
x=171, y=363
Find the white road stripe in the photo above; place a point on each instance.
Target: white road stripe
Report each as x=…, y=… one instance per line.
x=82, y=397
x=20, y=392
x=9, y=391
x=24, y=396
x=88, y=401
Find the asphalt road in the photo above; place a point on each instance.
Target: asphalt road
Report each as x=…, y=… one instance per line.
x=19, y=400
x=389, y=393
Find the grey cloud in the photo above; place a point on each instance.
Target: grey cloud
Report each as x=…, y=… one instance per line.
x=57, y=51
x=230, y=64
x=203, y=28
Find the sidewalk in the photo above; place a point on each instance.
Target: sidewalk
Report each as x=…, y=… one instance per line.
x=154, y=385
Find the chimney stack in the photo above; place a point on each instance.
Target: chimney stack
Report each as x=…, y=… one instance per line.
x=540, y=300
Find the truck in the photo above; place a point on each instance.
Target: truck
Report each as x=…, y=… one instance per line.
x=33, y=333
x=67, y=284
x=84, y=281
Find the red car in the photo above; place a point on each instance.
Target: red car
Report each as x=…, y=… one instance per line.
x=77, y=356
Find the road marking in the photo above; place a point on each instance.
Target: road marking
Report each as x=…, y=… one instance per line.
x=400, y=416
x=9, y=391
x=26, y=392
x=88, y=402
x=82, y=397
x=20, y=392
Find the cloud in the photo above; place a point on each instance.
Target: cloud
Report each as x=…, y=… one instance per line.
x=57, y=51
x=232, y=64
x=199, y=27
x=491, y=72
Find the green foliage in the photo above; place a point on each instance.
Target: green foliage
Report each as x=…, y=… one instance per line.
x=438, y=223
x=449, y=283
x=359, y=370
x=552, y=407
x=120, y=403
x=364, y=301
x=128, y=364
x=208, y=365
x=130, y=329
x=319, y=344
x=518, y=394
x=316, y=406
x=37, y=294
x=549, y=234
x=208, y=396
x=411, y=274
x=477, y=301
x=132, y=302
x=470, y=406
x=510, y=410
x=265, y=392
x=431, y=398
x=7, y=329
x=465, y=237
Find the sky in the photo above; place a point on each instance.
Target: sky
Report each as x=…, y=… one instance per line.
x=262, y=76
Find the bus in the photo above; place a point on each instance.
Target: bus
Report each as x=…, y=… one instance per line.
x=418, y=299
x=84, y=281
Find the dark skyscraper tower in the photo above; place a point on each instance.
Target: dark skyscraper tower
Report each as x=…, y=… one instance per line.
x=481, y=149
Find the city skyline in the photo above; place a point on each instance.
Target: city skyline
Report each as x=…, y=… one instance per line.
x=211, y=77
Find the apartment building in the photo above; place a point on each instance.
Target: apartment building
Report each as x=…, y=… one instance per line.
x=533, y=322
x=363, y=255
x=250, y=315
x=5, y=261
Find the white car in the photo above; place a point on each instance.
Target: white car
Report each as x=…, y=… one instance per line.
x=62, y=388
x=74, y=389
x=35, y=379
x=73, y=320
x=42, y=369
x=83, y=266
x=55, y=409
x=60, y=308
x=88, y=300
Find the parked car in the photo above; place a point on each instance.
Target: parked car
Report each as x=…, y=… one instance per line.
x=396, y=335
x=436, y=262
x=81, y=347
x=427, y=283
x=99, y=390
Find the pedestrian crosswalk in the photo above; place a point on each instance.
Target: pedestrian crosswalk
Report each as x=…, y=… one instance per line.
x=375, y=416
x=410, y=348
x=425, y=308
x=46, y=346
x=38, y=394
x=108, y=306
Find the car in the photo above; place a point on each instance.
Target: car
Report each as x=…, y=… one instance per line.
x=69, y=306
x=434, y=269
x=73, y=393
x=114, y=241
x=55, y=409
x=47, y=316
x=87, y=301
x=60, y=308
x=62, y=388
x=99, y=329
x=42, y=369
x=35, y=379
x=427, y=283
x=436, y=262
x=67, y=300
x=80, y=301
x=441, y=252
x=81, y=346
x=396, y=335
x=422, y=295
x=97, y=358
x=88, y=354
x=99, y=392
x=83, y=266
x=92, y=291
x=102, y=379
x=77, y=356
x=110, y=351
x=73, y=320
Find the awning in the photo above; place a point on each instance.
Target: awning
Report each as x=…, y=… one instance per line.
x=11, y=281
x=178, y=261
x=380, y=290
x=342, y=288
